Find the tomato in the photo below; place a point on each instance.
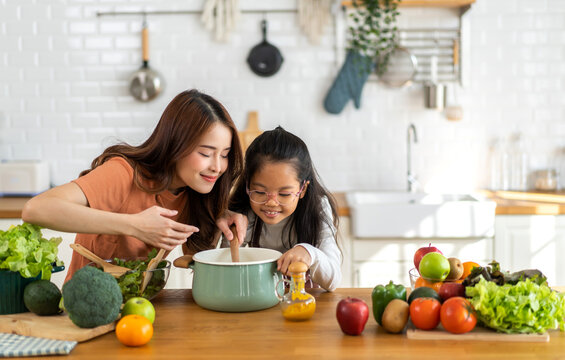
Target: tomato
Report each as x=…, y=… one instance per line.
x=424, y=313
x=457, y=315
x=467, y=267
x=134, y=330
x=427, y=283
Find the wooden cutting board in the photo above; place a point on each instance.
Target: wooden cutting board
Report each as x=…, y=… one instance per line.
x=58, y=327
x=477, y=334
x=247, y=136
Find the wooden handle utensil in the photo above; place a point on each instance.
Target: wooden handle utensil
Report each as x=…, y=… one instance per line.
x=114, y=270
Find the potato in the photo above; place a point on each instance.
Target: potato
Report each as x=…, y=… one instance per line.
x=396, y=316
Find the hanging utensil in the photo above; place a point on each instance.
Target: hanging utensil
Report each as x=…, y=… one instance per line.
x=265, y=59
x=114, y=270
x=145, y=83
x=149, y=271
x=400, y=67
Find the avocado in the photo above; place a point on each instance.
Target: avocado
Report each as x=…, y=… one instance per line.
x=423, y=292
x=42, y=297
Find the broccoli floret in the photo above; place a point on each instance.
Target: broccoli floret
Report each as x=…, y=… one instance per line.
x=92, y=298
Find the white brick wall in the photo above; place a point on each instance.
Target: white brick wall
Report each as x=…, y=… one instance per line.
x=64, y=88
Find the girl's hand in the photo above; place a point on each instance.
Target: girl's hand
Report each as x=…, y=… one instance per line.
x=153, y=227
x=230, y=218
x=297, y=253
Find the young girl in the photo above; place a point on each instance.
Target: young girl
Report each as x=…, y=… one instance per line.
x=173, y=186
x=288, y=208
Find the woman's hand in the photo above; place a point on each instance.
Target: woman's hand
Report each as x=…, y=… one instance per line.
x=232, y=218
x=153, y=227
x=297, y=253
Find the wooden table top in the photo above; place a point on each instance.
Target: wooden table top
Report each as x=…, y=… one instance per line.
x=184, y=330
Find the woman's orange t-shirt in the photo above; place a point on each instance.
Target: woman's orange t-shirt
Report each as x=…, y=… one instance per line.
x=110, y=187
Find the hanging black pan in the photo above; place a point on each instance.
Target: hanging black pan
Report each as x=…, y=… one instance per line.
x=145, y=83
x=265, y=59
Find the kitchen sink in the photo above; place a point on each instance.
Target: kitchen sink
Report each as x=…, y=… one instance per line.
x=390, y=214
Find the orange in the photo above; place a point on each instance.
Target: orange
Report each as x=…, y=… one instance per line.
x=431, y=284
x=467, y=267
x=134, y=330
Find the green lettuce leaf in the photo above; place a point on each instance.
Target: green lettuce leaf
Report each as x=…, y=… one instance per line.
x=23, y=249
x=525, y=307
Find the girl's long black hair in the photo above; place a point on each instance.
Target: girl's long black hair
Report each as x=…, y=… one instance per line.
x=275, y=146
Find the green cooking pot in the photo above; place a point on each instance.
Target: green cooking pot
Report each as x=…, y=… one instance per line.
x=248, y=285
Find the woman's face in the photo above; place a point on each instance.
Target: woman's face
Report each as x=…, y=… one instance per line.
x=275, y=178
x=200, y=169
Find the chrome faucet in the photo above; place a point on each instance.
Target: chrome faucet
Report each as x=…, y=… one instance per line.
x=411, y=135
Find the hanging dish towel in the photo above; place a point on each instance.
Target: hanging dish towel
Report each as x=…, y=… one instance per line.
x=313, y=16
x=12, y=345
x=349, y=82
x=220, y=16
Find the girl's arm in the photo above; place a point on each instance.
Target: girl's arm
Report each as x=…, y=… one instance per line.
x=325, y=266
x=65, y=208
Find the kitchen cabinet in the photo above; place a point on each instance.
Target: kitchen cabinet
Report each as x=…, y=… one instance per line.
x=531, y=242
x=377, y=261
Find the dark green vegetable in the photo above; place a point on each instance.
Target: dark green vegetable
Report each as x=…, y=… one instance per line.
x=130, y=282
x=92, y=297
x=382, y=295
x=423, y=292
x=42, y=297
x=494, y=274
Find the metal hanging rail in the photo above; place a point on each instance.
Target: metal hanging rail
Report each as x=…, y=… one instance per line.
x=183, y=12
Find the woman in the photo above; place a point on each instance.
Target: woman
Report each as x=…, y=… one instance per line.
x=171, y=188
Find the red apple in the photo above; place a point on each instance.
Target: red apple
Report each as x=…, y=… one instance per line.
x=419, y=254
x=352, y=315
x=451, y=289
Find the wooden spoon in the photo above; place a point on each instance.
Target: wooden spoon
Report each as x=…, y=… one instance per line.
x=234, y=245
x=150, y=267
x=114, y=270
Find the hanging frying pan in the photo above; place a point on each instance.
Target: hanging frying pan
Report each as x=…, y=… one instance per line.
x=145, y=83
x=264, y=59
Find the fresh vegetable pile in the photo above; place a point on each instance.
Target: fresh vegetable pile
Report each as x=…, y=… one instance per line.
x=130, y=282
x=526, y=307
x=23, y=249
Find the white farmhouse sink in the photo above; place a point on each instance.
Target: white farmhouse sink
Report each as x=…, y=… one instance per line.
x=387, y=214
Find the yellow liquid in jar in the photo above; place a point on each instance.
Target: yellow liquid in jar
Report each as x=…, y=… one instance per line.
x=299, y=311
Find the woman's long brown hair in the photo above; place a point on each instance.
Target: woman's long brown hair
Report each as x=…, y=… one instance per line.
x=187, y=117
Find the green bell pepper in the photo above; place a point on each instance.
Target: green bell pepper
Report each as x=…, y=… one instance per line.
x=382, y=295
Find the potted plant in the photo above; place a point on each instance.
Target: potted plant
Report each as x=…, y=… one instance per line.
x=373, y=30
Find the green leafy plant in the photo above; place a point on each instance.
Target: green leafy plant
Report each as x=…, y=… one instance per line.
x=23, y=249
x=373, y=30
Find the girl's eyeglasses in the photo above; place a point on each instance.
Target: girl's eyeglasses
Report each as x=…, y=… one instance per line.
x=282, y=198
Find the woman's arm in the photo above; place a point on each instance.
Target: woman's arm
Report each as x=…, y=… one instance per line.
x=66, y=208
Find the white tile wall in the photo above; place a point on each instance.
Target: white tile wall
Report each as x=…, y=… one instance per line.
x=64, y=87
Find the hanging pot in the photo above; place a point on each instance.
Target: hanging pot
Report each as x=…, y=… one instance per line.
x=145, y=83
x=265, y=59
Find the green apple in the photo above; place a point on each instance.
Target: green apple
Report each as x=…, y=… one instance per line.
x=434, y=266
x=139, y=306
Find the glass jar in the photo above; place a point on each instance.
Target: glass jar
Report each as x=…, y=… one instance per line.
x=297, y=304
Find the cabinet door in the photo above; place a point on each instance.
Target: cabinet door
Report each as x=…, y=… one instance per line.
x=531, y=242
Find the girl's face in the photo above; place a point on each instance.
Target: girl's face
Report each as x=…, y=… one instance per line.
x=275, y=177
x=200, y=169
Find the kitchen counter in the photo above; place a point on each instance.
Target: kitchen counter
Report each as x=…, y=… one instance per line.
x=184, y=330
x=507, y=203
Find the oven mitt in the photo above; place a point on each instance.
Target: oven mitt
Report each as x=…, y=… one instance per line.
x=349, y=82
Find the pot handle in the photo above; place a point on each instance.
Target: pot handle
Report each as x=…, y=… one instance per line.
x=183, y=262
x=283, y=280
